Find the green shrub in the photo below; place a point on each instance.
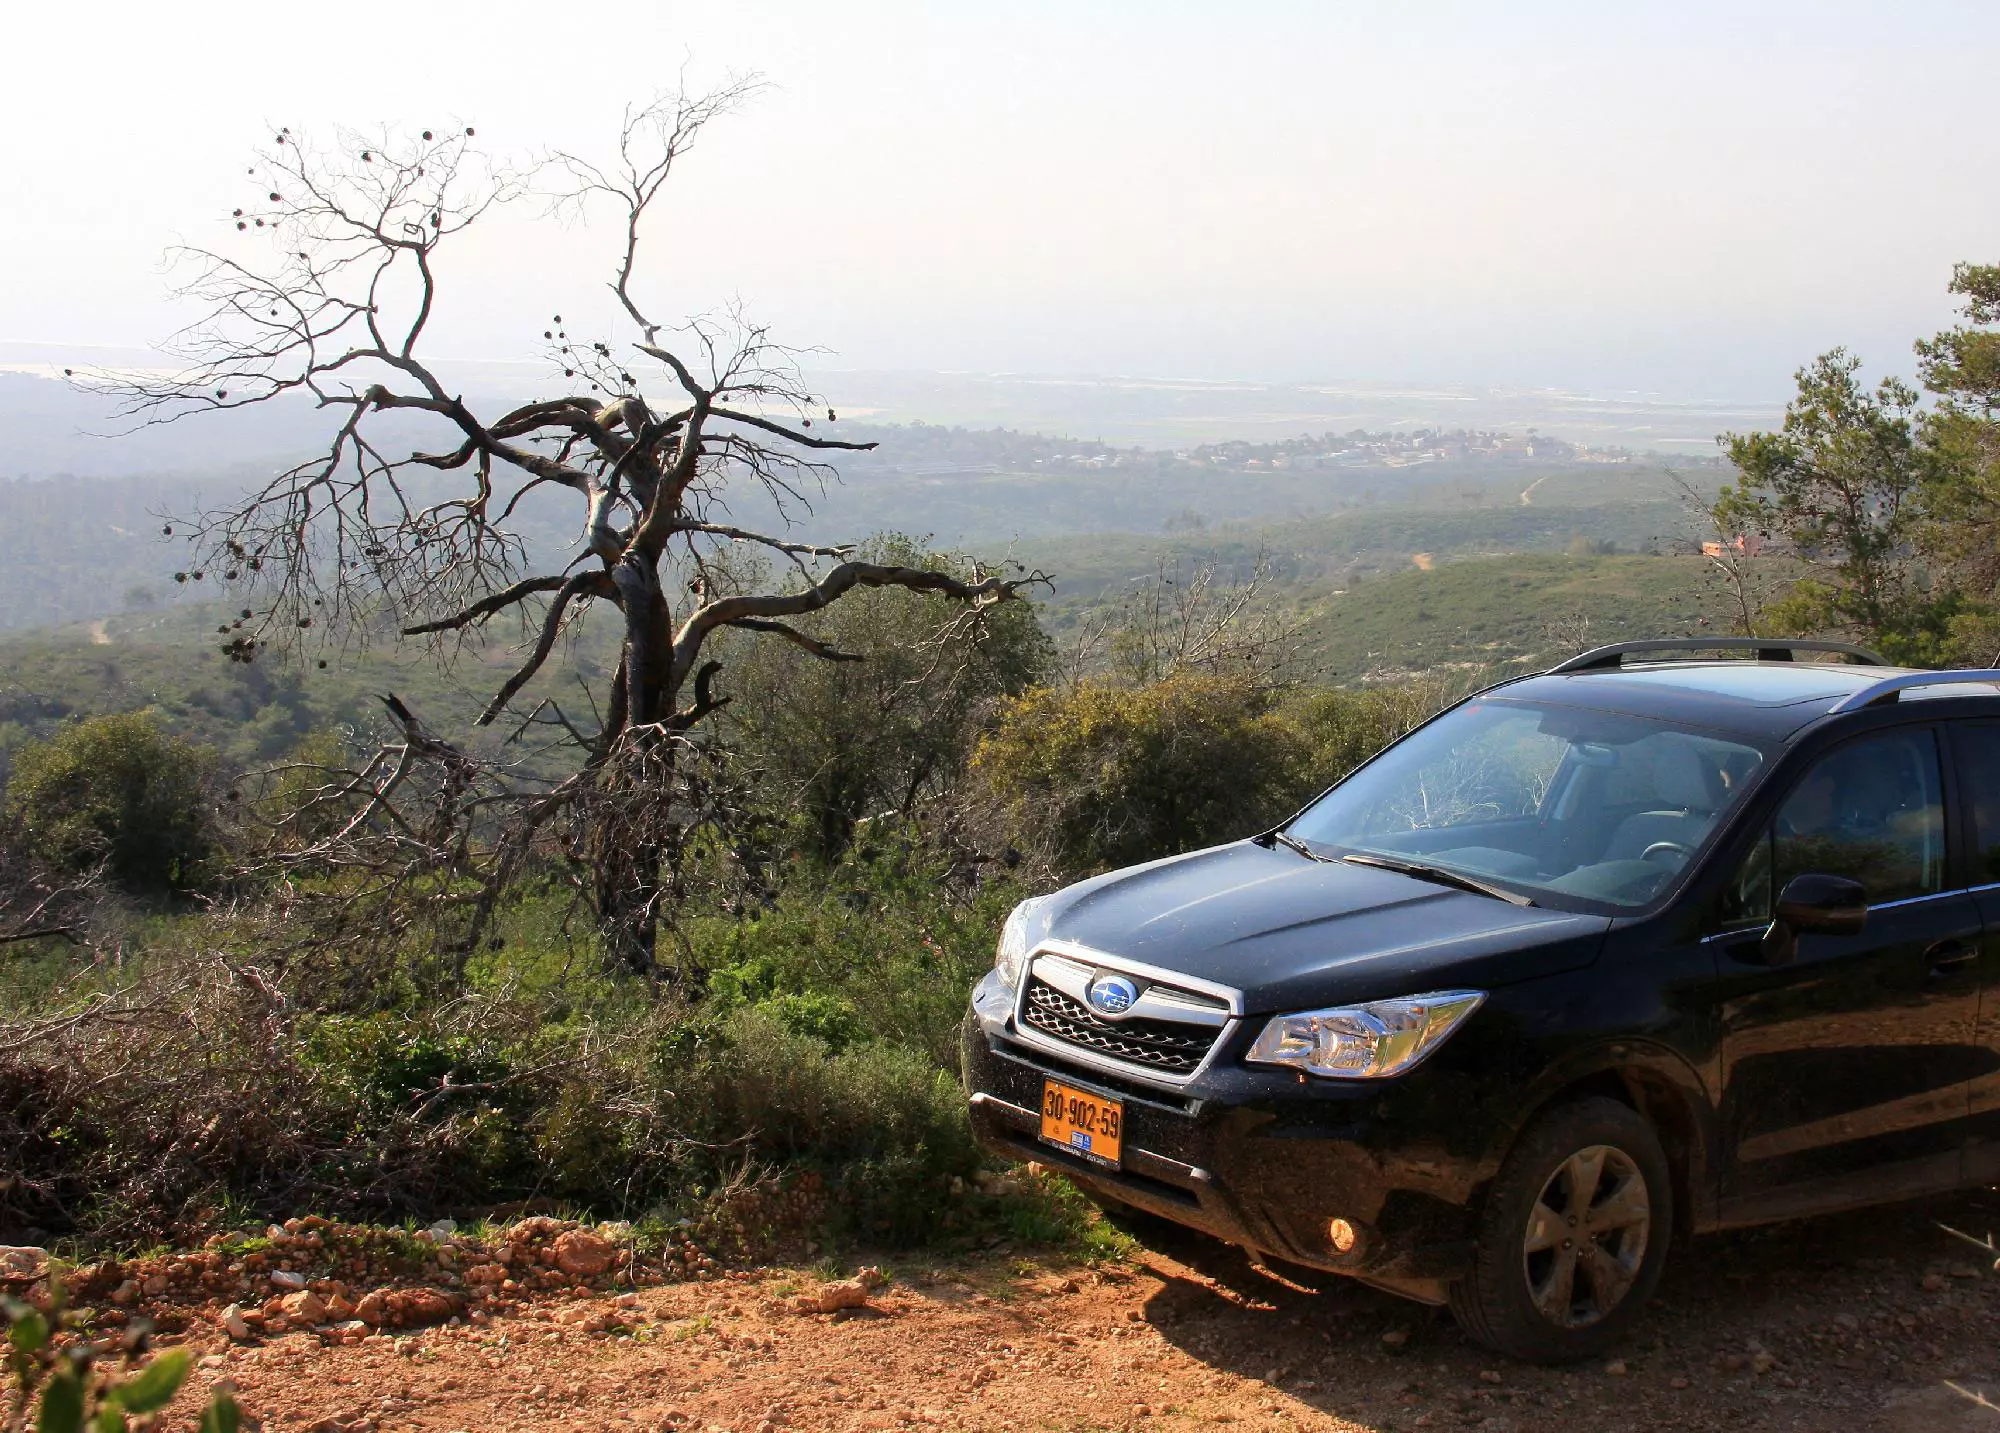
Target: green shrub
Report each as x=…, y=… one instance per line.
x=879, y=931
x=882, y=1124
x=116, y=790
x=1341, y=729
x=382, y=1062
x=830, y=1019
x=1111, y=776
x=834, y=743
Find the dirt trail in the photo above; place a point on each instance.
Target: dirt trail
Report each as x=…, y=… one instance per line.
x=1870, y=1322
x=1528, y=493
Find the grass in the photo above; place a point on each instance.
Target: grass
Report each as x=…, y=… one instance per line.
x=1499, y=614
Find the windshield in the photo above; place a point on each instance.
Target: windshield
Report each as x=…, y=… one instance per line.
x=1544, y=800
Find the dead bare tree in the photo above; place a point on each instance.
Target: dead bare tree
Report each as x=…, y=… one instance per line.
x=332, y=302
x=1188, y=617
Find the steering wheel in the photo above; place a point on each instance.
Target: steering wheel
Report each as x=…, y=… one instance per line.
x=1668, y=848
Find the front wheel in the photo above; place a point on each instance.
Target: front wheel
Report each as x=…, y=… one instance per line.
x=1573, y=1236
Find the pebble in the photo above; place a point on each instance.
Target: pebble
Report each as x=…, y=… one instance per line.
x=1396, y=1338
x=232, y=1322
x=1933, y=1283
x=23, y=1263
x=1489, y=1375
x=1616, y=1368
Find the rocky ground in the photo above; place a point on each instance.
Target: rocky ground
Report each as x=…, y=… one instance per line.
x=1881, y=1321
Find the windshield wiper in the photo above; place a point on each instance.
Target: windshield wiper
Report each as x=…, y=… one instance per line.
x=1440, y=876
x=1293, y=843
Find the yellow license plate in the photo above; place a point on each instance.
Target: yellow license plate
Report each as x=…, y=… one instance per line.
x=1082, y=1123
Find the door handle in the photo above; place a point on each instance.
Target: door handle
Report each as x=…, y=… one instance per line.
x=1949, y=956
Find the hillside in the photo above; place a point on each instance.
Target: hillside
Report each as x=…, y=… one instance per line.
x=1502, y=613
x=250, y=713
x=1479, y=613
x=1472, y=565
x=79, y=546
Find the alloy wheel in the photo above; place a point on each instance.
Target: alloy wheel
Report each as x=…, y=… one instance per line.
x=1586, y=1237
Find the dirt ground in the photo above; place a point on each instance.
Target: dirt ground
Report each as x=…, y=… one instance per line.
x=1879, y=1321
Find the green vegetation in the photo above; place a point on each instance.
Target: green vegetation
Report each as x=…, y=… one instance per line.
x=68, y=1386
x=115, y=791
x=1890, y=506
x=311, y=1042
x=1494, y=616
x=878, y=731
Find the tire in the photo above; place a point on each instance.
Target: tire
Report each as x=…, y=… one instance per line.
x=1515, y=1299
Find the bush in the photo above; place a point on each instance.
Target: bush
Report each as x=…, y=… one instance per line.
x=873, y=948
x=834, y=743
x=882, y=1125
x=1341, y=729
x=1110, y=776
x=116, y=790
x=195, y=1090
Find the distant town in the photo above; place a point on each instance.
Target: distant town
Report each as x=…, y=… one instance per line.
x=922, y=449
x=1363, y=449
x=1357, y=449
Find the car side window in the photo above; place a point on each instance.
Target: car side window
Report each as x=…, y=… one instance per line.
x=1976, y=745
x=1747, y=898
x=1871, y=810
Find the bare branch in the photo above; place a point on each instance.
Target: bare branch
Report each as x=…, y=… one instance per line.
x=732, y=611
x=790, y=435
x=652, y=139
x=797, y=639
x=737, y=534
x=595, y=584
x=486, y=606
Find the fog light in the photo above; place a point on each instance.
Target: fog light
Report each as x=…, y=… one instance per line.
x=1343, y=1236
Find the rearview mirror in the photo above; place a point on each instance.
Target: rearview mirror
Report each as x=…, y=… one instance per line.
x=1814, y=902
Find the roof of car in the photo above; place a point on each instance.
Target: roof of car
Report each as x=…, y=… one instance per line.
x=1764, y=699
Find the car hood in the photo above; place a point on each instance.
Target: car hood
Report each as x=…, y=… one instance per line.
x=1291, y=932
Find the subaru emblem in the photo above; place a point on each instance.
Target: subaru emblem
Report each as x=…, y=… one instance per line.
x=1111, y=994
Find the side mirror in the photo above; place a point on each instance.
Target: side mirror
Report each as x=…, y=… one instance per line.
x=1814, y=902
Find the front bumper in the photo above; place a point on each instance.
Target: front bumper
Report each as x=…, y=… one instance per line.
x=1262, y=1159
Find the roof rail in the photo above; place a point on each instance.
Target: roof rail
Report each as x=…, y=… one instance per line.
x=1890, y=688
x=1768, y=649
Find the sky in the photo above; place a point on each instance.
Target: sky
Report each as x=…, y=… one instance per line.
x=1684, y=198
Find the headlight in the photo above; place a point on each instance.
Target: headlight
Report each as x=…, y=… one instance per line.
x=1364, y=1042
x=1012, y=954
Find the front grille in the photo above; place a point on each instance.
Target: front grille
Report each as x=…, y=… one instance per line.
x=1151, y=1044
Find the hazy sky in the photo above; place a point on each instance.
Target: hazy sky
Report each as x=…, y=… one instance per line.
x=1686, y=197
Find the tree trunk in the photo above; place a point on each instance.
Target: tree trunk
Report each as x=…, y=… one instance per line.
x=633, y=841
x=629, y=891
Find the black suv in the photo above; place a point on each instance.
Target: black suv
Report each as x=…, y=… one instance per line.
x=1595, y=958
